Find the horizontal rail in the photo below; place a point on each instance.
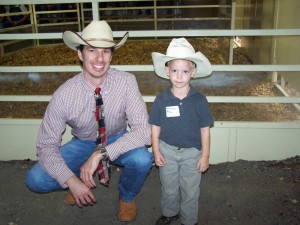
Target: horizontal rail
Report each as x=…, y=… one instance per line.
x=12, y=2
x=145, y=68
x=169, y=33
x=218, y=124
x=211, y=99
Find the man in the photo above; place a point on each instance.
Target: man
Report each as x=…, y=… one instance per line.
x=17, y=20
x=73, y=165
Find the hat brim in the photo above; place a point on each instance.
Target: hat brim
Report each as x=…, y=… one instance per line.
x=204, y=67
x=74, y=40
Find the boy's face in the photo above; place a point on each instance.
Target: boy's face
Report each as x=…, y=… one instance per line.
x=180, y=72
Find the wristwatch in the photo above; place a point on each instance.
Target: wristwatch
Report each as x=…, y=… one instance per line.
x=101, y=147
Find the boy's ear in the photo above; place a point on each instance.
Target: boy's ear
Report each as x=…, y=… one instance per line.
x=194, y=71
x=167, y=70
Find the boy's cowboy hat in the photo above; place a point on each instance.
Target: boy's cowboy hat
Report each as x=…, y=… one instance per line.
x=180, y=48
x=97, y=34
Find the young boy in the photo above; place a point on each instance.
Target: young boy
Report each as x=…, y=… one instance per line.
x=180, y=121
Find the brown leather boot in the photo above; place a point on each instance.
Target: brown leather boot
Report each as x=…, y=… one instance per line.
x=69, y=199
x=127, y=211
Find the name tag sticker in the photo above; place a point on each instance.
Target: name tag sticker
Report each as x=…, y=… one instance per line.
x=172, y=111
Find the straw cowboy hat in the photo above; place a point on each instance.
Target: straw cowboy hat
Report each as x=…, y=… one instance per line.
x=97, y=34
x=180, y=48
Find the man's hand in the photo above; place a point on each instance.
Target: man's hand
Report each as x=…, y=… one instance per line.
x=88, y=169
x=81, y=193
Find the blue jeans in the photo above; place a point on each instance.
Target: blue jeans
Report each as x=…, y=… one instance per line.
x=136, y=165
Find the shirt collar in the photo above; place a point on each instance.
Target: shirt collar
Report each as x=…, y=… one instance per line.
x=169, y=95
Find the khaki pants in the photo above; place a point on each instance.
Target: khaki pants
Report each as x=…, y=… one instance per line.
x=180, y=181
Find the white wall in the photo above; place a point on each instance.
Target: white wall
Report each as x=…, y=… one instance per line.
x=230, y=141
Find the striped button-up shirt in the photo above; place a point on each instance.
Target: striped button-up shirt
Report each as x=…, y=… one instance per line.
x=73, y=103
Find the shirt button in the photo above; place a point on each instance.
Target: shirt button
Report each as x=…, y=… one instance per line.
x=180, y=103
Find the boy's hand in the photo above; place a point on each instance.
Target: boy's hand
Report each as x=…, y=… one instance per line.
x=203, y=164
x=159, y=159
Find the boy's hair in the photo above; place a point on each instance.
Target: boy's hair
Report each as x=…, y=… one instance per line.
x=192, y=64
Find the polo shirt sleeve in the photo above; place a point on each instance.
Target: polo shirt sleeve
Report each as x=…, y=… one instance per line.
x=154, y=115
x=205, y=118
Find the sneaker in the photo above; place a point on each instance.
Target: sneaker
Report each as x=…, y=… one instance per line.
x=127, y=211
x=163, y=220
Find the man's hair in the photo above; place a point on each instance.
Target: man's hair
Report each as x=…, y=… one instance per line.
x=81, y=47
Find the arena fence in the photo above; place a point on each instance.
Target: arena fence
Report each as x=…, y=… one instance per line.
x=230, y=140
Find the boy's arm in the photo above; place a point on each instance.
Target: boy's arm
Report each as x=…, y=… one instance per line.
x=159, y=159
x=203, y=163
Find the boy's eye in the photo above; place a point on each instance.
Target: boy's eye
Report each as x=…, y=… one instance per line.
x=186, y=71
x=173, y=71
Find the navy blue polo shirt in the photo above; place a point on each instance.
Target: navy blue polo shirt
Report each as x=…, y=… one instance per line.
x=180, y=120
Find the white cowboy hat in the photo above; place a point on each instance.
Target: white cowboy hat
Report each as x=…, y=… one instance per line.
x=180, y=48
x=97, y=34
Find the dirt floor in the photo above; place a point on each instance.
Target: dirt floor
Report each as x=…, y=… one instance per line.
x=235, y=193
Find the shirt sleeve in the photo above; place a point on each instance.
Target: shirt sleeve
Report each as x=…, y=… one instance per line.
x=205, y=116
x=49, y=141
x=139, y=134
x=154, y=116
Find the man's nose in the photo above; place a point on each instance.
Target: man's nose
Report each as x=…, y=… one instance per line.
x=99, y=56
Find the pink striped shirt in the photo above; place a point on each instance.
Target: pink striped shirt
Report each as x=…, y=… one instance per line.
x=73, y=103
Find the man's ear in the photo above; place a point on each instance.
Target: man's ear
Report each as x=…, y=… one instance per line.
x=79, y=53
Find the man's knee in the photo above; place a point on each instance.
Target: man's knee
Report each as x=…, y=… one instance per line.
x=39, y=181
x=144, y=161
x=32, y=182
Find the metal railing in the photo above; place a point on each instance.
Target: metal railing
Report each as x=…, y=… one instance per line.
x=235, y=140
x=155, y=33
x=84, y=14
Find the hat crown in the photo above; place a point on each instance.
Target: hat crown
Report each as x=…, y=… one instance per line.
x=97, y=30
x=97, y=34
x=180, y=48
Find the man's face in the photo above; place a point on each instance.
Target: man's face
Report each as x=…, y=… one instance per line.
x=95, y=61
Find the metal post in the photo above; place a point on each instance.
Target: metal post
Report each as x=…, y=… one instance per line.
x=232, y=27
x=78, y=16
x=33, y=20
x=95, y=8
x=155, y=15
x=274, y=40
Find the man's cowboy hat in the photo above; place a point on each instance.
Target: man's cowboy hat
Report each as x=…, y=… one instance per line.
x=97, y=34
x=180, y=48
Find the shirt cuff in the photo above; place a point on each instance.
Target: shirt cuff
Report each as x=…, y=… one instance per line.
x=63, y=177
